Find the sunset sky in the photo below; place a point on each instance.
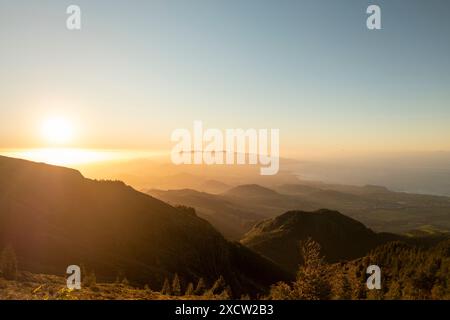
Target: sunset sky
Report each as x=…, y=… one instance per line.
x=137, y=71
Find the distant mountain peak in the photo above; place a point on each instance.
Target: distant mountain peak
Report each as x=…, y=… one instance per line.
x=339, y=236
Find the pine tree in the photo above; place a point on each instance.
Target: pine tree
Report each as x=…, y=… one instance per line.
x=8, y=263
x=119, y=277
x=219, y=286
x=166, y=290
x=201, y=287
x=189, y=289
x=311, y=282
x=176, y=286
x=226, y=294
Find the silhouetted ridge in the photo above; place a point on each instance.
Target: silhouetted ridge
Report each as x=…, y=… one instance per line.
x=340, y=237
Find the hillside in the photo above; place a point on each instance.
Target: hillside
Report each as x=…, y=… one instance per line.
x=340, y=237
x=250, y=190
x=30, y=286
x=410, y=271
x=376, y=207
x=54, y=217
x=235, y=211
x=227, y=217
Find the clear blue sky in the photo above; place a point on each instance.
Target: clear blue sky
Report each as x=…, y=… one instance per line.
x=139, y=69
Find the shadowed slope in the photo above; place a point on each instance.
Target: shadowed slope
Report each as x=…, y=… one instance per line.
x=339, y=236
x=53, y=217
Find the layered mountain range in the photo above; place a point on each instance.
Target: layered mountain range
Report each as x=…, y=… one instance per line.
x=53, y=217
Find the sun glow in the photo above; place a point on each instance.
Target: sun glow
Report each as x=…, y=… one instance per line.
x=73, y=156
x=62, y=156
x=58, y=137
x=57, y=130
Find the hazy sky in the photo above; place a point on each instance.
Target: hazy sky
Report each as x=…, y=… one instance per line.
x=139, y=69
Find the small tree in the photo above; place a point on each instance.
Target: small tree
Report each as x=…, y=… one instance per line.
x=201, y=287
x=226, y=293
x=312, y=282
x=119, y=277
x=125, y=282
x=8, y=263
x=218, y=286
x=189, y=289
x=166, y=288
x=176, y=286
x=312, y=278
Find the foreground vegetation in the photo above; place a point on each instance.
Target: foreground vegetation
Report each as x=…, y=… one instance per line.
x=408, y=272
x=28, y=286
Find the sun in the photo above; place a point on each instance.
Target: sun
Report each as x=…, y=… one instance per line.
x=57, y=130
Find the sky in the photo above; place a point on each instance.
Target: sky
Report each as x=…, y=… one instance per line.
x=137, y=70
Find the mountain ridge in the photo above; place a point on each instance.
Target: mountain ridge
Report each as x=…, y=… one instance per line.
x=54, y=217
x=376, y=207
x=341, y=237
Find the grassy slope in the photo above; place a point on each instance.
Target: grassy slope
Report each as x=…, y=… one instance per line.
x=29, y=286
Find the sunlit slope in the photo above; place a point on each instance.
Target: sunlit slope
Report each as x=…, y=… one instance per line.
x=54, y=217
